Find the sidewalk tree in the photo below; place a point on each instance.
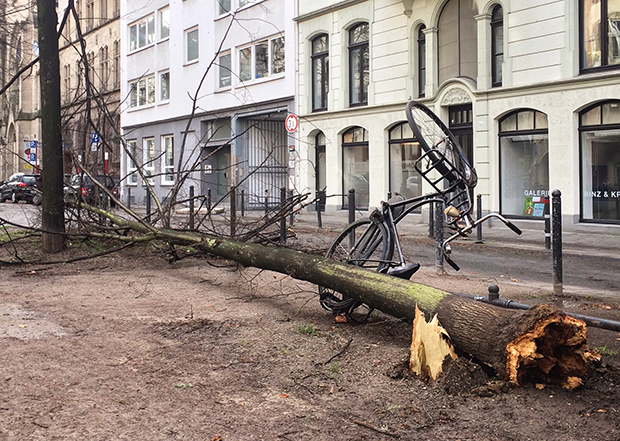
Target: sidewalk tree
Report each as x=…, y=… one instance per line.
x=52, y=217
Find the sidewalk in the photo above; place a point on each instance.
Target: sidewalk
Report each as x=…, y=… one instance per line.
x=582, y=240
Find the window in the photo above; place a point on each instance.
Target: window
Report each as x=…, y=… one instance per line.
x=103, y=67
x=167, y=143
x=67, y=83
x=91, y=68
x=524, y=162
x=164, y=86
x=116, y=68
x=355, y=166
x=599, y=128
x=245, y=64
x=90, y=14
x=320, y=72
x=224, y=65
x=103, y=6
x=243, y=3
x=116, y=12
x=600, y=33
x=148, y=148
x=421, y=61
x=142, y=33
x=457, y=41
x=277, y=55
x=497, y=45
x=191, y=45
x=132, y=151
x=404, y=152
x=142, y=92
x=358, y=65
x=223, y=7
x=261, y=60
x=164, y=23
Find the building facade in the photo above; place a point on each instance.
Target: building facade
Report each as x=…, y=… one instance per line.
x=207, y=89
x=20, y=124
x=89, y=57
x=530, y=90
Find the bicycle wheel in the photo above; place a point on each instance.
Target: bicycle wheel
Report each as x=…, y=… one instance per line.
x=370, y=249
x=433, y=135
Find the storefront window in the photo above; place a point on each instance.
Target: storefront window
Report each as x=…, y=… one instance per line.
x=524, y=163
x=355, y=166
x=600, y=162
x=404, y=152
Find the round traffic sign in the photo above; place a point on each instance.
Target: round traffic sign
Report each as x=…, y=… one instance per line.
x=291, y=123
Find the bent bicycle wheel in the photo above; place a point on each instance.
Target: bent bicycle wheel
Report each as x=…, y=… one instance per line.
x=433, y=136
x=363, y=243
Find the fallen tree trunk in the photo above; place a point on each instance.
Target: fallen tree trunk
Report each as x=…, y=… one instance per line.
x=540, y=344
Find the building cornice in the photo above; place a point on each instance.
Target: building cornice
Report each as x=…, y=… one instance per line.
x=327, y=10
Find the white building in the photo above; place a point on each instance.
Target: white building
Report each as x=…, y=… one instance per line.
x=208, y=86
x=531, y=89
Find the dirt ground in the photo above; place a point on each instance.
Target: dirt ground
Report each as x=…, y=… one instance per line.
x=131, y=347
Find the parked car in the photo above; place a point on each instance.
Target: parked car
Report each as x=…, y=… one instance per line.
x=21, y=187
x=82, y=187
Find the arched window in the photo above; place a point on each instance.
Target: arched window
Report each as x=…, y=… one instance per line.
x=457, y=40
x=497, y=45
x=359, y=64
x=320, y=72
x=355, y=166
x=421, y=44
x=524, y=162
x=599, y=128
x=404, y=152
x=104, y=68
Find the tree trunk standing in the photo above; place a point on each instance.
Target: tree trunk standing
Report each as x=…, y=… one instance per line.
x=53, y=222
x=542, y=343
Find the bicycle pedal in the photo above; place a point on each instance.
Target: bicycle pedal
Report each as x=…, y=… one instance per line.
x=404, y=271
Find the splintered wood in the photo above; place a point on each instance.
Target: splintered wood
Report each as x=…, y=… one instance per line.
x=553, y=350
x=430, y=345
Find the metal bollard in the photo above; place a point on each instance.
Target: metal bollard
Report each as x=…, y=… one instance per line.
x=547, y=224
x=148, y=206
x=266, y=202
x=556, y=220
x=283, y=220
x=478, y=217
x=292, y=217
x=431, y=220
x=439, y=236
x=191, y=207
x=128, y=197
x=233, y=211
x=318, y=211
x=242, y=202
x=351, y=216
x=209, y=201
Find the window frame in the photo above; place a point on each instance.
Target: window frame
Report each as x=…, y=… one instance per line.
x=223, y=7
x=135, y=88
x=354, y=143
x=602, y=40
x=149, y=34
x=222, y=69
x=421, y=57
x=162, y=98
x=186, y=40
x=104, y=68
x=360, y=51
x=167, y=169
x=164, y=19
x=132, y=167
x=497, y=53
x=252, y=57
x=149, y=157
x=322, y=58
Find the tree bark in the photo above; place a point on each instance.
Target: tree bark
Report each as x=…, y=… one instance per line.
x=52, y=218
x=539, y=344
